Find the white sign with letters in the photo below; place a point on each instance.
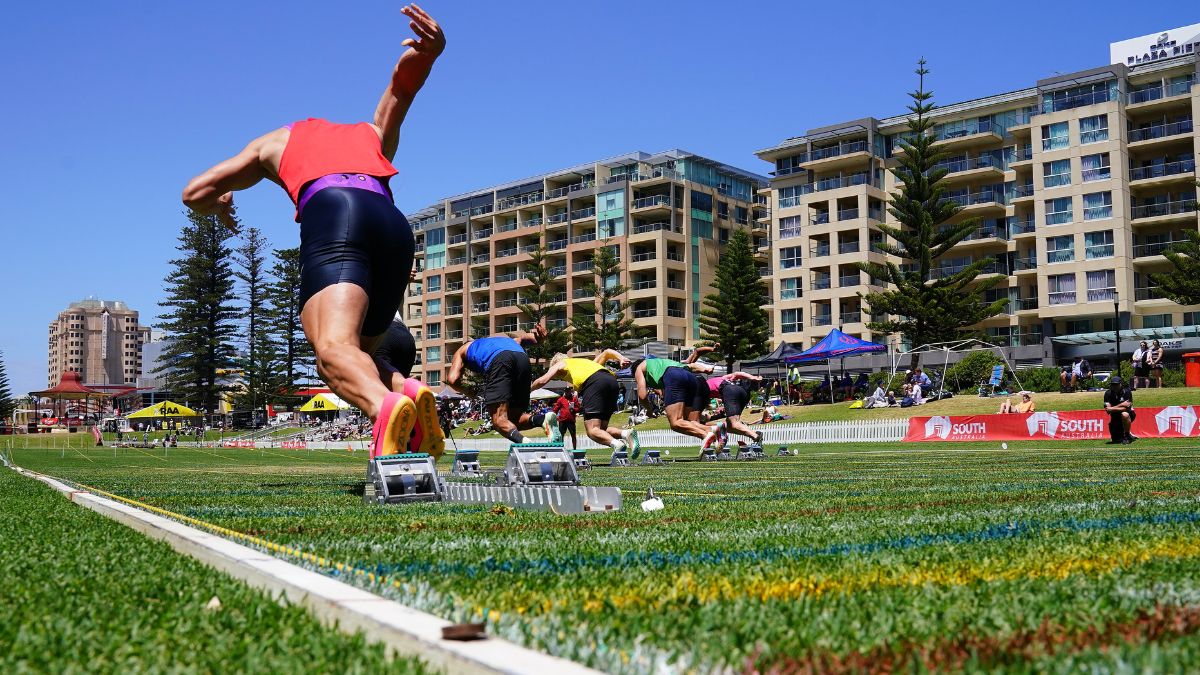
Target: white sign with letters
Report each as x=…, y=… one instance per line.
x=1156, y=46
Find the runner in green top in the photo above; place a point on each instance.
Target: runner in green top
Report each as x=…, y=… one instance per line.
x=678, y=387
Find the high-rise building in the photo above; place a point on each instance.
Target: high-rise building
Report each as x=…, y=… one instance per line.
x=1080, y=182
x=666, y=215
x=99, y=339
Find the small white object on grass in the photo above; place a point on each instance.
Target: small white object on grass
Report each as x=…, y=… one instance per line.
x=795, y=452
x=666, y=452
x=214, y=604
x=1004, y=446
x=655, y=504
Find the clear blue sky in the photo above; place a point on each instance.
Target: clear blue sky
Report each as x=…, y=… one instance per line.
x=109, y=108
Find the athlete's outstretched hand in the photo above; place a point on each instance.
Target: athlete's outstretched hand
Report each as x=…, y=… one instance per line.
x=227, y=212
x=430, y=39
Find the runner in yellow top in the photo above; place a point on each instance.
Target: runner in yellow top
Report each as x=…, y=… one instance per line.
x=598, y=387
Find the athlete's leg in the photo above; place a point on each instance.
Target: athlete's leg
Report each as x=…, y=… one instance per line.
x=735, y=422
x=331, y=320
x=599, y=431
x=677, y=417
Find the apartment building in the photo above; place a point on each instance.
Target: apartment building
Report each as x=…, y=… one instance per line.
x=666, y=216
x=100, y=339
x=1080, y=182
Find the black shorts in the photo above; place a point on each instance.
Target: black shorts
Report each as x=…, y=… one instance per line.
x=1141, y=371
x=599, y=393
x=507, y=381
x=735, y=397
x=678, y=386
x=700, y=397
x=348, y=235
x=398, y=348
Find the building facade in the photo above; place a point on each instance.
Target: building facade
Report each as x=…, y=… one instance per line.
x=100, y=339
x=1080, y=182
x=666, y=216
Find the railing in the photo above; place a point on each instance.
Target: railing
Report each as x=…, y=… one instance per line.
x=655, y=227
x=641, y=257
x=787, y=202
x=789, y=294
x=1156, y=248
x=822, y=320
x=502, y=278
x=533, y=222
x=1025, y=190
x=1029, y=339
x=582, y=238
x=844, y=181
x=433, y=335
x=582, y=266
x=506, y=227
x=1022, y=154
x=643, y=285
x=1026, y=304
x=984, y=197
x=1092, y=175
x=507, y=328
x=556, y=323
x=1062, y=298
x=582, y=293
x=677, y=257
x=818, y=251
x=820, y=284
x=433, y=312
x=1160, y=131
x=1155, y=93
x=655, y=200
x=414, y=290
x=1058, y=217
x=1061, y=256
x=1093, y=136
x=1054, y=180
x=1022, y=264
x=453, y=286
x=675, y=313
x=847, y=214
x=1147, y=293
x=988, y=232
x=529, y=248
x=457, y=260
x=582, y=214
x=847, y=280
x=519, y=200
x=848, y=247
x=644, y=313
x=558, y=244
x=969, y=164
x=480, y=307
x=1161, y=170
x=1056, y=142
x=1077, y=101
x=851, y=317
x=1097, y=212
x=1021, y=226
x=789, y=232
x=875, y=214
x=507, y=302
x=454, y=310
x=1164, y=209
x=482, y=234
x=677, y=285
x=506, y=253
x=983, y=126
x=1098, y=251
x=764, y=271
x=419, y=247
x=820, y=218
x=457, y=238
x=480, y=258
x=557, y=297
x=558, y=270
x=1101, y=294
x=556, y=218
x=567, y=189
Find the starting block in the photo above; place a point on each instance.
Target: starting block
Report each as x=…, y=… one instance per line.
x=580, y=459
x=749, y=452
x=540, y=464
x=651, y=456
x=619, y=457
x=783, y=451
x=466, y=463
x=407, y=477
x=708, y=455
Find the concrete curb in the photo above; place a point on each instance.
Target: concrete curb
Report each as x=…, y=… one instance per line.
x=406, y=630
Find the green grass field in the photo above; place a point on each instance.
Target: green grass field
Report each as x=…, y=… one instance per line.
x=1051, y=556
x=82, y=593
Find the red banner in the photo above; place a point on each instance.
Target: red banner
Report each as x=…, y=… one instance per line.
x=238, y=444
x=294, y=445
x=1169, y=422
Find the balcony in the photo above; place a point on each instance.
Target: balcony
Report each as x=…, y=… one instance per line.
x=457, y=260
x=584, y=214
x=644, y=313
x=457, y=239
x=561, y=192
x=847, y=214
x=819, y=218
x=848, y=247
x=454, y=310
x=454, y=334
x=764, y=271
x=1154, y=249
x=557, y=297
x=675, y=313
x=556, y=323
x=653, y=202
x=1021, y=192
x=505, y=278
x=480, y=258
x=481, y=234
x=554, y=219
x=818, y=251
x=1071, y=102
x=583, y=238
x=582, y=266
x=481, y=283
x=1151, y=94
x=1163, y=173
x=823, y=185
x=979, y=200
x=1165, y=210
x=1027, y=264
x=529, y=248
x=677, y=257
x=833, y=156
x=533, y=222
x=414, y=290
x=507, y=302
x=1022, y=155
x=506, y=253
x=676, y=285
x=452, y=286
x=519, y=200
x=643, y=228
x=1025, y=304
x=558, y=244
x=644, y=285
x=822, y=320
x=419, y=247
x=480, y=307
x=1158, y=131
x=1148, y=293
x=558, y=271
x=1020, y=226
x=821, y=283
x=582, y=293
x=848, y=280
x=851, y=317
x=506, y=227
x=643, y=257
x=971, y=167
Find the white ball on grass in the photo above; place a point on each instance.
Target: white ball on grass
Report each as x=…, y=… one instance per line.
x=666, y=452
x=1004, y=446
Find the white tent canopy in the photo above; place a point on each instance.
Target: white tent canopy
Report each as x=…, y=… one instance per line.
x=969, y=345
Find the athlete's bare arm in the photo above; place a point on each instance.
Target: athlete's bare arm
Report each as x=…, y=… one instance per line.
x=408, y=76
x=611, y=355
x=696, y=353
x=550, y=374
x=212, y=191
x=454, y=377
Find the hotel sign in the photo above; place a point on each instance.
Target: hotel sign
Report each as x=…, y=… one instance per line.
x=1156, y=46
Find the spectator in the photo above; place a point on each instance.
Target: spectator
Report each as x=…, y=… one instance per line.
x=918, y=395
x=1118, y=403
x=566, y=407
x=1025, y=406
x=877, y=399
x=891, y=399
x=920, y=378
x=862, y=383
x=1141, y=368
x=1155, y=361
x=1071, y=375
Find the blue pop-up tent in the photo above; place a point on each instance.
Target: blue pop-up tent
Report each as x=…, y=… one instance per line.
x=836, y=344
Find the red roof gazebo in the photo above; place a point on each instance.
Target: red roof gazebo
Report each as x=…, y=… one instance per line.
x=70, y=388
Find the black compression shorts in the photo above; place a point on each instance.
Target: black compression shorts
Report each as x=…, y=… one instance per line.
x=398, y=348
x=678, y=386
x=700, y=397
x=507, y=381
x=599, y=393
x=735, y=397
x=356, y=236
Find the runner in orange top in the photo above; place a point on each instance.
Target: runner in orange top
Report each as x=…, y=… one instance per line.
x=352, y=237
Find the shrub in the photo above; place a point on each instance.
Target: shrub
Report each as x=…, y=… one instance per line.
x=974, y=368
x=1040, y=379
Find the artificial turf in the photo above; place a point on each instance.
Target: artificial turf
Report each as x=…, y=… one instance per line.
x=1050, y=556
x=82, y=594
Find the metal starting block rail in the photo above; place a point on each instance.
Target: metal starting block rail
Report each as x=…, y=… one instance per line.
x=537, y=476
x=580, y=459
x=466, y=463
x=651, y=456
x=750, y=452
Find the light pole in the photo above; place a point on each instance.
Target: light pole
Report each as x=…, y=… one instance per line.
x=1117, y=327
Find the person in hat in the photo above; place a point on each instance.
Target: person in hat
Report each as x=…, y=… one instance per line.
x=1118, y=403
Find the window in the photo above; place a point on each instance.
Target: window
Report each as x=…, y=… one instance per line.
x=1191, y=318
x=1097, y=205
x=1098, y=244
x=789, y=289
x=433, y=378
x=1058, y=211
x=433, y=331
x=1055, y=136
x=1062, y=289
x=435, y=237
x=1060, y=249
x=1101, y=285
x=789, y=227
x=723, y=210
x=1056, y=173
x=1079, y=326
x=435, y=261
x=433, y=283
x=433, y=307
x=791, y=320
x=1093, y=129
x=433, y=354
x=702, y=202
x=702, y=228
x=790, y=196
x=1156, y=321
x=1095, y=167
x=741, y=215
x=789, y=258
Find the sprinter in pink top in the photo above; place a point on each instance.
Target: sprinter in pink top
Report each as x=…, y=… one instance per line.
x=734, y=391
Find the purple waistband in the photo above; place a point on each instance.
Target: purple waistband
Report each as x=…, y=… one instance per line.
x=346, y=180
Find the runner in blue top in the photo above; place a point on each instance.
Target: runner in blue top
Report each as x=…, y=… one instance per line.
x=505, y=368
